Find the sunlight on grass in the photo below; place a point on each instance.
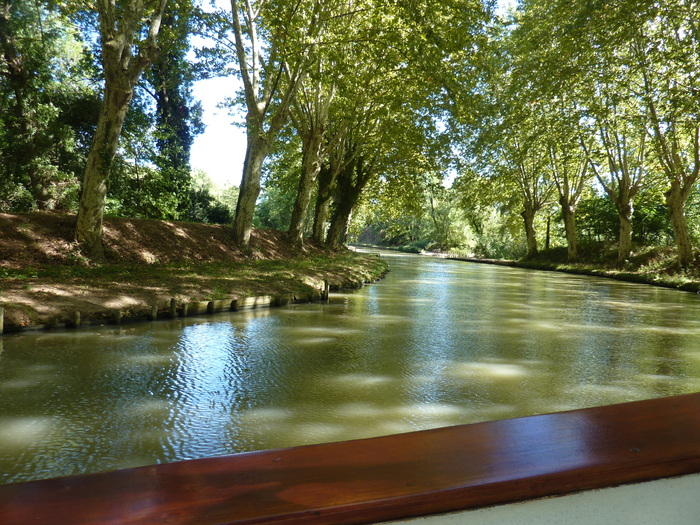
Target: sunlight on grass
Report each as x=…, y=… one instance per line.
x=122, y=301
x=148, y=257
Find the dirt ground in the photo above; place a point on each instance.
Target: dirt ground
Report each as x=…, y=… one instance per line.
x=37, y=239
x=44, y=279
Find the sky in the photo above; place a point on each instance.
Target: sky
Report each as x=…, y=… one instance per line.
x=220, y=150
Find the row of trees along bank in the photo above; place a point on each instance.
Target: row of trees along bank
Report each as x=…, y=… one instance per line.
x=560, y=117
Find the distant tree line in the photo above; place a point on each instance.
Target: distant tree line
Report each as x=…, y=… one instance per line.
x=590, y=115
x=585, y=130
x=431, y=124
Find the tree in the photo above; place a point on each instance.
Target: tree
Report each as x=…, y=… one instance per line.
x=336, y=158
x=178, y=117
x=418, y=60
x=351, y=181
x=40, y=82
x=524, y=163
x=512, y=149
x=616, y=121
x=570, y=171
x=549, y=70
x=666, y=50
x=625, y=154
x=310, y=117
x=273, y=48
x=124, y=58
x=633, y=67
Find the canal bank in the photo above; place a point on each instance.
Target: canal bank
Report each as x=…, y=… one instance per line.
x=655, y=267
x=158, y=269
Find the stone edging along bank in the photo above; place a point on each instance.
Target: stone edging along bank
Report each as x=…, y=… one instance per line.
x=173, y=309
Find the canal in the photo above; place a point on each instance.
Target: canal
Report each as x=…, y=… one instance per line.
x=436, y=343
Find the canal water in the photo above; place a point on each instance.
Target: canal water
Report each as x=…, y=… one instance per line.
x=436, y=343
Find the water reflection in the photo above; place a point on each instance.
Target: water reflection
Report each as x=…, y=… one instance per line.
x=437, y=343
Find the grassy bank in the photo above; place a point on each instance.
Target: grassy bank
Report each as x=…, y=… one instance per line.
x=44, y=280
x=657, y=266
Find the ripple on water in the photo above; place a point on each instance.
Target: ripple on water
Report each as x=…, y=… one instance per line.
x=438, y=343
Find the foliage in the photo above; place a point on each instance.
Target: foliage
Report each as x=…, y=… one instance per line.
x=565, y=122
x=208, y=204
x=177, y=115
x=44, y=103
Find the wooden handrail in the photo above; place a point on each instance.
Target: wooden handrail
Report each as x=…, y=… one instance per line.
x=392, y=477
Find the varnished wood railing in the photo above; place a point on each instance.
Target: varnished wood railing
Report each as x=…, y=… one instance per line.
x=384, y=478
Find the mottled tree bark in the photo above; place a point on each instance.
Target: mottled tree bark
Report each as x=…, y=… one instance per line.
x=94, y=190
x=256, y=152
x=322, y=211
x=569, y=213
x=675, y=200
x=310, y=168
x=528, y=215
x=625, y=241
x=119, y=28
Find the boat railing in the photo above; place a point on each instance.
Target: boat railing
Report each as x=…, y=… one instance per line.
x=385, y=478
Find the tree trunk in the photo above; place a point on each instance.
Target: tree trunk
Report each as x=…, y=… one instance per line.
x=337, y=232
x=122, y=70
x=351, y=182
x=326, y=179
x=345, y=200
x=321, y=218
x=625, y=242
x=528, y=215
x=310, y=168
x=569, y=213
x=88, y=231
x=256, y=152
x=675, y=200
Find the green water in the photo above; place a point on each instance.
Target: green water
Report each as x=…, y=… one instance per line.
x=436, y=343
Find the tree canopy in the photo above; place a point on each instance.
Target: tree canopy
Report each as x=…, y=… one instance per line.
x=443, y=124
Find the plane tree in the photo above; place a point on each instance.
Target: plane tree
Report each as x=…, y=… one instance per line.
x=128, y=32
x=345, y=48
x=628, y=72
x=618, y=158
x=522, y=160
x=416, y=63
x=273, y=46
x=665, y=41
x=615, y=119
x=342, y=59
x=510, y=149
x=310, y=116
